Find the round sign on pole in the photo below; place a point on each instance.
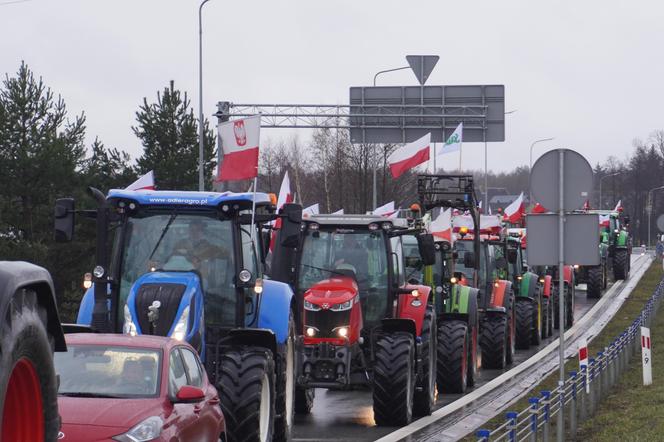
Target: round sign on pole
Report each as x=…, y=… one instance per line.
x=577, y=177
x=660, y=223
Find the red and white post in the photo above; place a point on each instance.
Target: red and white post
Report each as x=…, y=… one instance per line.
x=646, y=356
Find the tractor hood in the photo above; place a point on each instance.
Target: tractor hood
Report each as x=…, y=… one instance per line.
x=332, y=291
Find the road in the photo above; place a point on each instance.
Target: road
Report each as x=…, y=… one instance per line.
x=348, y=415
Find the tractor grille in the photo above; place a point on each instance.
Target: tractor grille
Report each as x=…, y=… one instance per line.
x=326, y=321
x=169, y=295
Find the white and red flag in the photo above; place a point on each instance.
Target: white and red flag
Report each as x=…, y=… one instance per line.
x=619, y=207
x=285, y=197
x=146, y=182
x=441, y=227
x=311, y=210
x=409, y=156
x=385, y=210
x=239, y=141
x=538, y=208
x=604, y=220
x=515, y=211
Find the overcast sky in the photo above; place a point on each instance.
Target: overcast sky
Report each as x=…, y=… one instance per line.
x=588, y=73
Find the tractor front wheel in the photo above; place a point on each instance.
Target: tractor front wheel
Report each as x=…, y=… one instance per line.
x=393, y=383
x=453, y=357
x=494, y=341
x=595, y=282
x=621, y=264
x=524, y=323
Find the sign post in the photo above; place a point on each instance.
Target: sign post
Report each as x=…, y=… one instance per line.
x=646, y=356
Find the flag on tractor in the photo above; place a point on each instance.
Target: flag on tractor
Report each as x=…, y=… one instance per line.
x=240, y=140
x=311, y=210
x=619, y=207
x=515, y=211
x=453, y=143
x=409, y=156
x=441, y=227
x=146, y=182
x=538, y=209
x=285, y=197
x=385, y=210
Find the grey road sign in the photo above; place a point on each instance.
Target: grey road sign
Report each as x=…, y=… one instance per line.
x=545, y=180
x=400, y=114
x=422, y=65
x=581, y=239
x=660, y=223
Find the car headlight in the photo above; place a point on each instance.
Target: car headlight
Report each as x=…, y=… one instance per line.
x=129, y=328
x=342, y=306
x=147, y=430
x=180, y=330
x=311, y=307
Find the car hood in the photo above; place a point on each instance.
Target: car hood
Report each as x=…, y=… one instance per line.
x=108, y=412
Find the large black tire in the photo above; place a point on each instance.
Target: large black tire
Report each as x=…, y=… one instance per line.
x=570, y=294
x=538, y=323
x=547, y=317
x=285, y=387
x=425, y=391
x=511, y=333
x=453, y=357
x=595, y=283
x=246, y=389
x=473, y=355
x=494, y=342
x=621, y=264
x=393, y=380
x=27, y=373
x=304, y=400
x=524, y=323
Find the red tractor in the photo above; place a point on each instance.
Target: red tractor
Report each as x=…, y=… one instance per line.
x=363, y=320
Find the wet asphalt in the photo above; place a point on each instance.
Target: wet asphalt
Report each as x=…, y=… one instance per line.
x=348, y=415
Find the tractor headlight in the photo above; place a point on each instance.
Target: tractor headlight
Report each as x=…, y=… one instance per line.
x=311, y=307
x=342, y=332
x=342, y=306
x=147, y=430
x=180, y=330
x=311, y=331
x=576, y=266
x=129, y=328
x=98, y=271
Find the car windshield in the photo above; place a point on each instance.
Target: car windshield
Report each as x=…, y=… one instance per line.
x=360, y=251
x=108, y=371
x=182, y=242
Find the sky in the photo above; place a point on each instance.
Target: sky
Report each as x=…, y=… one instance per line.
x=588, y=73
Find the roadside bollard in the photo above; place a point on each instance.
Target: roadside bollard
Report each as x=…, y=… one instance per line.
x=572, y=403
x=546, y=402
x=600, y=375
x=534, y=411
x=583, y=403
x=511, y=425
x=483, y=435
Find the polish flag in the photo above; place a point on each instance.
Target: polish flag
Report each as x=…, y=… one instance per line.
x=441, y=227
x=285, y=197
x=409, y=156
x=604, y=220
x=311, y=210
x=619, y=207
x=239, y=141
x=146, y=182
x=515, y=211
x=539, y=209
x=338, y=212
x=385, y=210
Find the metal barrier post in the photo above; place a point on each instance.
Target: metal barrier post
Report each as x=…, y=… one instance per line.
x=591, y=379
x=612, y=364
x=583, y=405
x=546, y=401
x=572, y=408
x=599, y=369
x=534, y=411
x=483, y=435
x=560, y=424
x=511, y=425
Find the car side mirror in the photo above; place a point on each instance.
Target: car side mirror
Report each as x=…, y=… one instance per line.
x=188, y=394
x=469, y=260
x=64, y=219
x=427, y=248
x=291, y=222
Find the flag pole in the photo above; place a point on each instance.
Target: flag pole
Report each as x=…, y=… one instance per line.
x=253, y=210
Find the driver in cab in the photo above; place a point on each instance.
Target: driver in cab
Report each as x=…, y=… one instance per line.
x=196, y=248
x=353, y=254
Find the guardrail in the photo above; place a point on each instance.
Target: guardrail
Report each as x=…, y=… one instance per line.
x=571, y=399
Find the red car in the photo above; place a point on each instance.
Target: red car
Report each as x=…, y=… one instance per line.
x=135, y=388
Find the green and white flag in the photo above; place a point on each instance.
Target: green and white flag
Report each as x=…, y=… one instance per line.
x=453, y=143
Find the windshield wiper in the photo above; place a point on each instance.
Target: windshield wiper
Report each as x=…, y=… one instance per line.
x=87, y=394
x=323, y=270
x=163, y=233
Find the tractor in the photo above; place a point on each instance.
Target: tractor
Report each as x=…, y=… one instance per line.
x=477, y=307
x=364, y=318
x=29, y=334
x=189, y=265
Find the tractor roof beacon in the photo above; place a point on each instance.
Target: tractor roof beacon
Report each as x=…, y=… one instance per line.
x=183, y=264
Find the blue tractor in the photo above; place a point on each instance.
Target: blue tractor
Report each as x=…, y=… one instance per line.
x=189, y=265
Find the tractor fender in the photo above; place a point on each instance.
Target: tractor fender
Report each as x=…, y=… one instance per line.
x=274, y=310
x=568, y=274
x=252, y=337
x=622, y=241
x=528, y=286
x=462, y=304
x=399, y=325
x=500, y=295
x=547, y=286
x=16, y=275
x=414, y=307
x=87, y=304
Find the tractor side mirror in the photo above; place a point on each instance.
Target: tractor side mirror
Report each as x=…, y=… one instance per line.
x=469, y=260
x=427, y=248
x=511, y=256
x=291, y=222
x=64, y=219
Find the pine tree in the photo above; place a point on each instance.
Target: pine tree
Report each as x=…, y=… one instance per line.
x=168, y=131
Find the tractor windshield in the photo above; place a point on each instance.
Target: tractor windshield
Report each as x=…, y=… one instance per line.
x=181, y=242
x=362, y=251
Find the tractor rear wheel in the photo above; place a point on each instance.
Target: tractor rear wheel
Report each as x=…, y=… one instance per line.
x=494, y=342
x=285, y=386
x=595, y=282
x=28, y=384
x=304, y=400
x=524, y=323
x=246, y=389
x=425, y=392
x=621, y=264
x=454, y=343
x=393, y=383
